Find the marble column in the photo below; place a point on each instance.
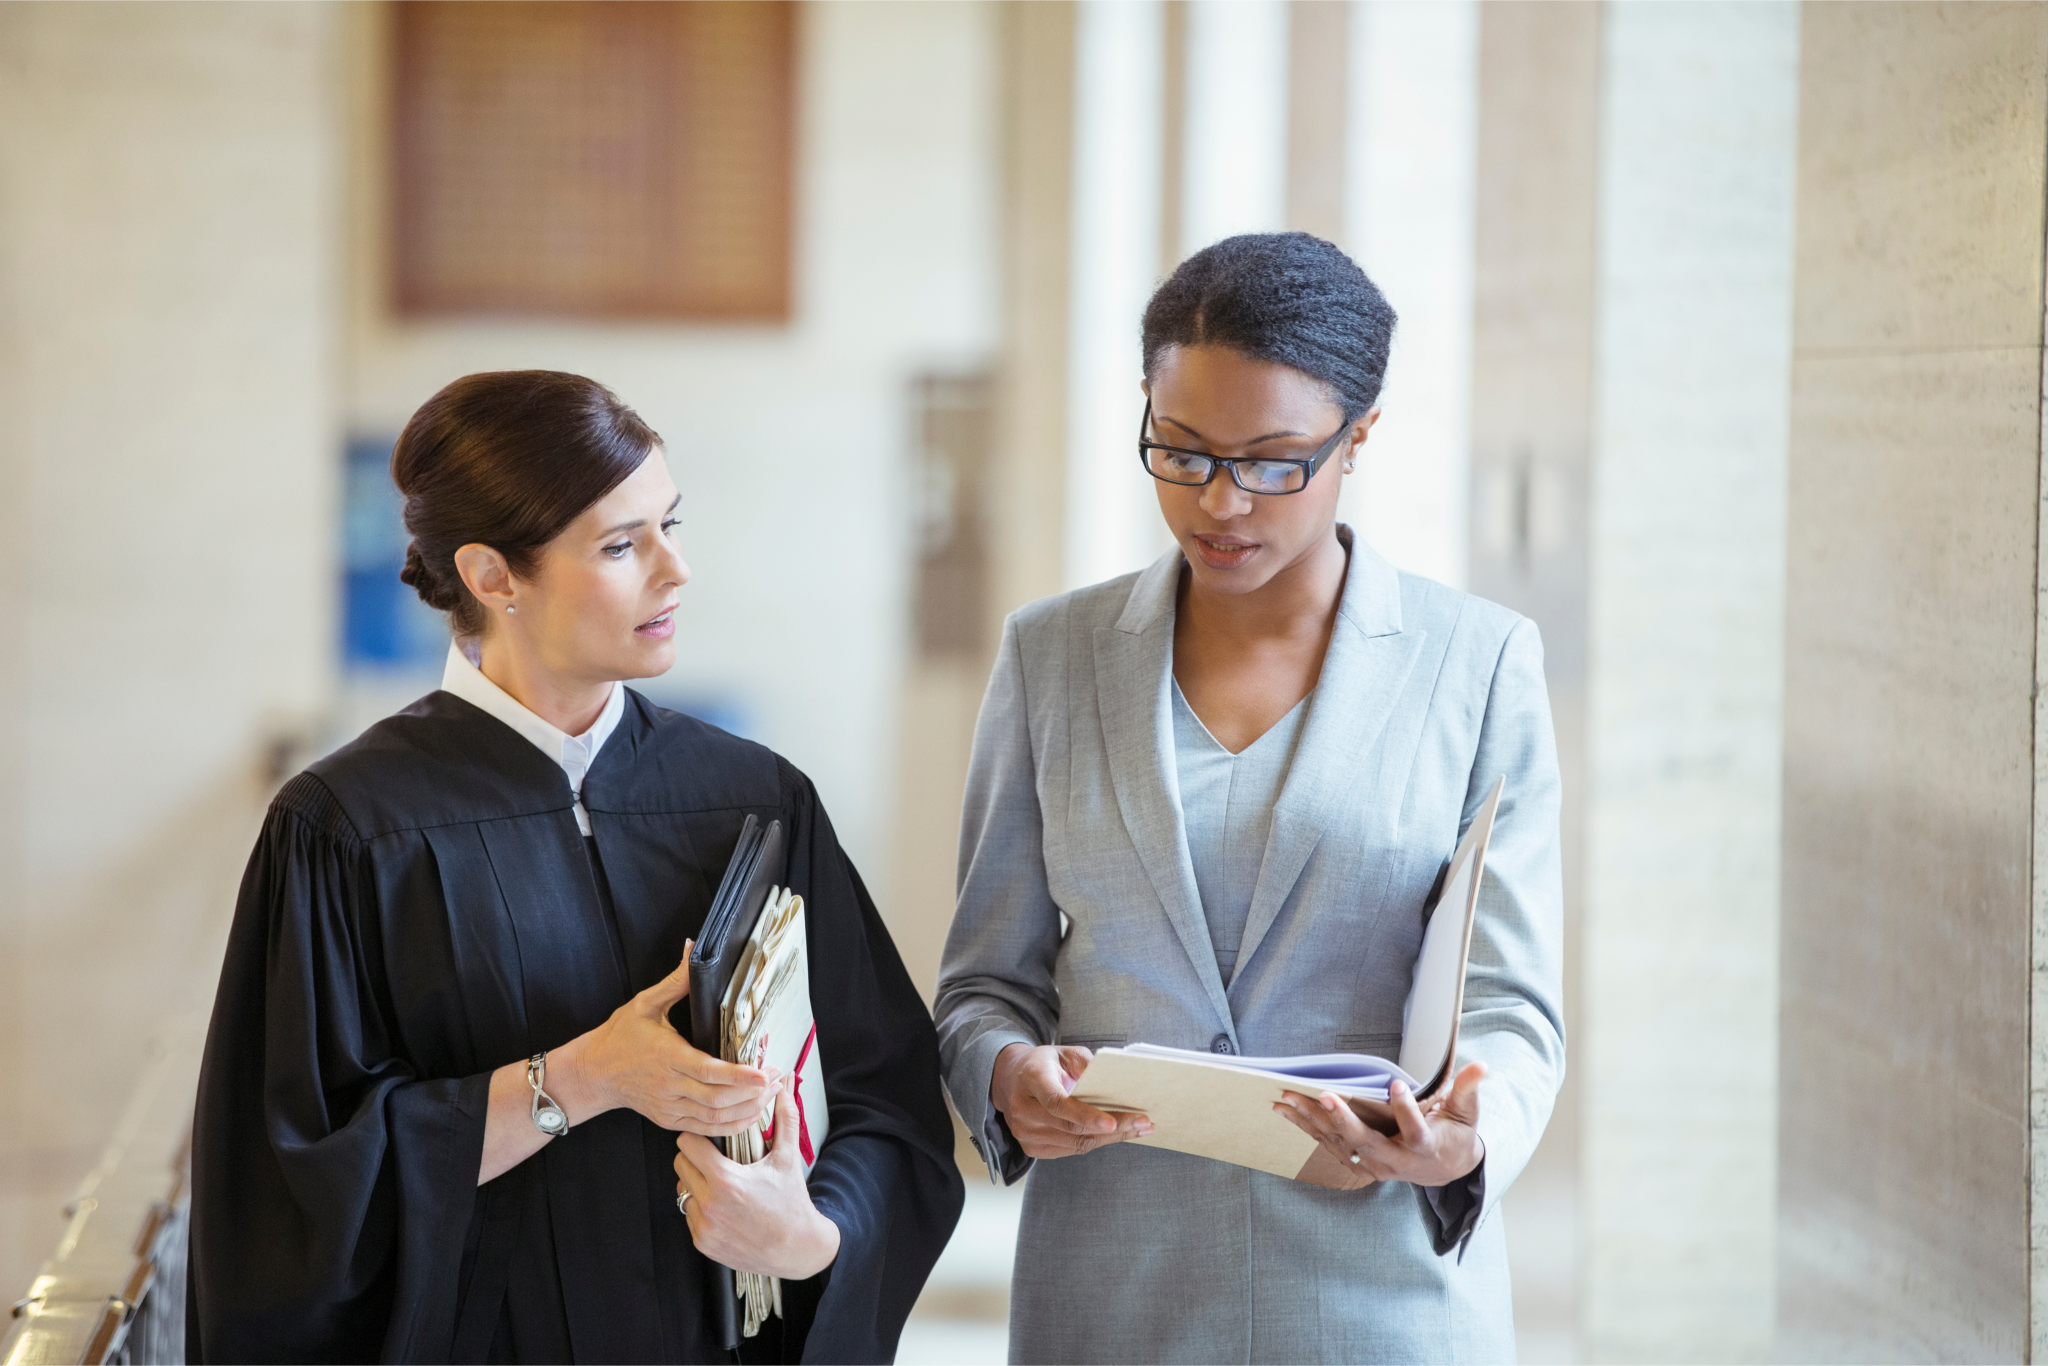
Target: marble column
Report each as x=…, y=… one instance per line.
x=1677, y=1051
x=1532, y=412
x=1233, y=171
x=1408, y=220
x=1111, y=514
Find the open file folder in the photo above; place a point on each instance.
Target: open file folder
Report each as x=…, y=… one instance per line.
x=1222, y=1107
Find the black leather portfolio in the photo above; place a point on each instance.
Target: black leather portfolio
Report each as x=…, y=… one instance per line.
x=756, y=869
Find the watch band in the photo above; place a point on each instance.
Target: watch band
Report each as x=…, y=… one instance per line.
x=548, y=1117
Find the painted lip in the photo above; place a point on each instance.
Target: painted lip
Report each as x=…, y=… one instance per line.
x=1224, y=552
x=660, y=627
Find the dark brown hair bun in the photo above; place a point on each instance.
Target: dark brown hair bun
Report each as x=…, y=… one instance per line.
x=506, y=459
x=433, y=592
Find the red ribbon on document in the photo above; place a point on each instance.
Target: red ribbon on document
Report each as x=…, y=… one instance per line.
x=803, y=1124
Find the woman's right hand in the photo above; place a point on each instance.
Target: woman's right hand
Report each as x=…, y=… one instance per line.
x=1031, y=1085
x=636, y=1059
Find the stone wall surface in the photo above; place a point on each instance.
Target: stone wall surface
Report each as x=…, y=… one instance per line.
x=1910, y=638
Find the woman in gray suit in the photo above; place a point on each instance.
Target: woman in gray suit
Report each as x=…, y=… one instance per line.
x=1207, y=806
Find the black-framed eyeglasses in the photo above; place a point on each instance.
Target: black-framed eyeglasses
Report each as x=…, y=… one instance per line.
x=1172, y=465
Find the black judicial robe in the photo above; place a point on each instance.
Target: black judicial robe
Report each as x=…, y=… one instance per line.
x=421, y=909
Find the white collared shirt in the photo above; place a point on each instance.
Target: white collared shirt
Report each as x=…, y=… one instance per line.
x=575, y=753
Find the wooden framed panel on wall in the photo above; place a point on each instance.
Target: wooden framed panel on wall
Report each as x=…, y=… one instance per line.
x=594, y=158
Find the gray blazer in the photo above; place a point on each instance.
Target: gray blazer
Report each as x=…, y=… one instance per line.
x=1078, y=921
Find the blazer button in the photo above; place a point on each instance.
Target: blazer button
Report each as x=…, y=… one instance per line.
x=1221, y=1044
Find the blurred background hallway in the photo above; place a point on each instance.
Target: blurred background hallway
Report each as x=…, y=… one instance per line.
x=1720, y=356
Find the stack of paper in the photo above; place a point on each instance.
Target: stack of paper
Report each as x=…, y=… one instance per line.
x=1220, y=1106
x=766, y=1021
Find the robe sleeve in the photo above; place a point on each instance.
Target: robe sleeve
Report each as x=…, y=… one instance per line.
x=332, y=1186
x=886, y=1174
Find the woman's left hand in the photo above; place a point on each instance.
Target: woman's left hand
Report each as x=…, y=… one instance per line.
x=1437, y=1143
x=756, y=1216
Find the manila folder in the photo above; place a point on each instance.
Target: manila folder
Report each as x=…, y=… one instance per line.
x=1212, y=1110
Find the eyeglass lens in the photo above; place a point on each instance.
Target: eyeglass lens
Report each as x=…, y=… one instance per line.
x=1254, y=476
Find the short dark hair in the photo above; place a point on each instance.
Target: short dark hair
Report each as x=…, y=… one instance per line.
x=1287, y=297
x=506, y=459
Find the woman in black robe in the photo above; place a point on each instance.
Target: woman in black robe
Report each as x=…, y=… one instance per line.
x=434, y=904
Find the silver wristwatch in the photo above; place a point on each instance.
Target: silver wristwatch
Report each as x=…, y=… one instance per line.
x=548, y=1117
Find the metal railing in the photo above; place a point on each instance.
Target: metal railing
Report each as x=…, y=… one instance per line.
x=114, y=1290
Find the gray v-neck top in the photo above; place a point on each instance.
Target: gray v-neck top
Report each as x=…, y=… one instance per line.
x=1226, y=803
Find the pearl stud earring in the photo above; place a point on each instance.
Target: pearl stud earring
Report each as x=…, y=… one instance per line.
x=510, y=610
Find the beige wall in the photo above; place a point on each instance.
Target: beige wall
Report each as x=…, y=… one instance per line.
x=793, y=445
x=1910, y=658
x=166, y=470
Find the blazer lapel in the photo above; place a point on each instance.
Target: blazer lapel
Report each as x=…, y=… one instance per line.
x=1369, y=660
x=1133, y=671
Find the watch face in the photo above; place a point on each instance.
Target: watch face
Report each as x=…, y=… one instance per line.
x=550, y=1120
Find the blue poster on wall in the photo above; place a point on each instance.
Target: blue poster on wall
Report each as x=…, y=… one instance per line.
x=385, y=626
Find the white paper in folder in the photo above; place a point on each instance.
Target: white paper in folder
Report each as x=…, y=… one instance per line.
x=1221, y=1106
x=768, y=1022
